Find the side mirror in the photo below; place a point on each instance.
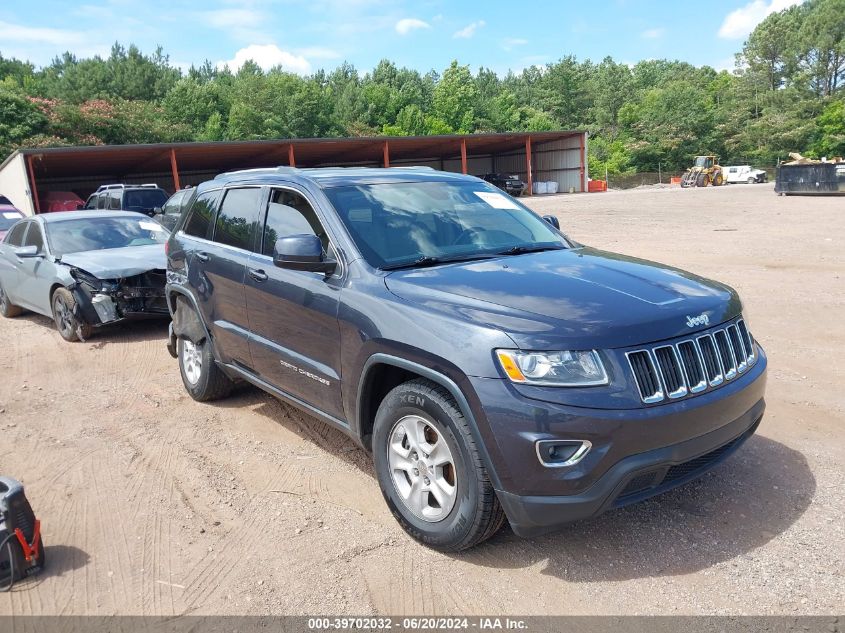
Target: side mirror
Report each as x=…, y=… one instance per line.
x=157, y=210
x=302, y=252
x=27, y=252
x=553, y=221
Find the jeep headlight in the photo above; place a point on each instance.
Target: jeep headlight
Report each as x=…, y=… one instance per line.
x=553, y=369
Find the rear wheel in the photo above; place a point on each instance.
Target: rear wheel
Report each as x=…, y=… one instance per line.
x=718, y=180
x=7, y=308
x=202, y=378
x=430, y=470
x=68, y=325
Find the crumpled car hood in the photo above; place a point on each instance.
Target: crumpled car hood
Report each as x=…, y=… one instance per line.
x=115, y=263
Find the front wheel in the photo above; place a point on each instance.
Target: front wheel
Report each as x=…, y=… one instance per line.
x=430, y=470
x=67, y=323
x=202, y=378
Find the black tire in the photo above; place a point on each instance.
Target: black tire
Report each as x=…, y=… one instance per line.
x=476, y=514
x=71, y=328
x=209, y=382
x=7, y=308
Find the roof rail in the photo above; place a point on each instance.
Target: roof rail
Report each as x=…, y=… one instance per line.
x=258, y=170
x=148, y=185
x=414, y=167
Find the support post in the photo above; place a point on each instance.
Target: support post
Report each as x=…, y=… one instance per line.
x=463, y=156
x=36, y=203
x=386, y=150
x=175, y=169
x=583, y=180
x=291, y=157
x=528, y=166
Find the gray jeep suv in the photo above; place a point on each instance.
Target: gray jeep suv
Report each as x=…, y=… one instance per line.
x=494, y=368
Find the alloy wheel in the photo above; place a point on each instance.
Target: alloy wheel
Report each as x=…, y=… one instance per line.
x=64, y=316
x=191, y=358
x=422, y=468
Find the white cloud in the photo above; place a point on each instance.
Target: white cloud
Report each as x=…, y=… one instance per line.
x=232, y=18
x=406, y=25
x=653, y=34
x=741, y=22
x=509, y=43
x=56, y=37
x=268, y=56
x=469, y=30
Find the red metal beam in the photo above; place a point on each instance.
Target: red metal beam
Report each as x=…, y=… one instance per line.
x=463, y=156
x=583, y=183
x=528, y=166
x=174, y=168
x=36, y=203
x=386, y=154
x=291, y=157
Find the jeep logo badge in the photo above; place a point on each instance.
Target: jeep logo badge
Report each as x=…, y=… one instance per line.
x=701, y=319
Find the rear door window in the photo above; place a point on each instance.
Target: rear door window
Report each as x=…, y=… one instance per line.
x=238, y=217
x=114, y=200
x=101, y=200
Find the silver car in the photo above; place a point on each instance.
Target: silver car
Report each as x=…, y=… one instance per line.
x=84, y=269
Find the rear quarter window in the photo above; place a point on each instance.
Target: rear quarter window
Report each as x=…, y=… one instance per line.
x=198, y=222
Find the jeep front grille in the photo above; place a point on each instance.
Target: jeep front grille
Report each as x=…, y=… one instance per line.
x=693, y=365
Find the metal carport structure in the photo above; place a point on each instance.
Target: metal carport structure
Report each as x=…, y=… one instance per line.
x=28, y=174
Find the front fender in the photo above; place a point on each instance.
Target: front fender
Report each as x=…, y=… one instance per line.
x=463, y=394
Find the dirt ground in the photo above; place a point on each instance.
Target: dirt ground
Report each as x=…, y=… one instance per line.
x=154, y=504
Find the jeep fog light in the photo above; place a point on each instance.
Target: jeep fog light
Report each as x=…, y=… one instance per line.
x=555, y=369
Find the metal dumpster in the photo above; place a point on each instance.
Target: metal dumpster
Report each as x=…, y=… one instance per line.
x=811, y=179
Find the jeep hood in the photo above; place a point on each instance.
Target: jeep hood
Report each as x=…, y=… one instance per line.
x=571, y=299
x=116, y=263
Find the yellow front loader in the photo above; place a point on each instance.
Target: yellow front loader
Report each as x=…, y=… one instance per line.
x=705, y=171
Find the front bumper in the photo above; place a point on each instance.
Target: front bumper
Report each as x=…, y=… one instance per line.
x=633, y=479
x=635, y=453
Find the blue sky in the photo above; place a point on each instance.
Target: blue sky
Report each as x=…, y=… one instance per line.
x=304, y=35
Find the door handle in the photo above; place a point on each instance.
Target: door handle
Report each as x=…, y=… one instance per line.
x=203, y=257
x=258, y=275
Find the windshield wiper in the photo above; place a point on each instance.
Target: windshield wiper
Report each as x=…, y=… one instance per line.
x=427, y=260
x=532, y=248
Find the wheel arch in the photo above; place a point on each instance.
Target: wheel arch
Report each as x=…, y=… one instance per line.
x=382, y=372
x=173, y=294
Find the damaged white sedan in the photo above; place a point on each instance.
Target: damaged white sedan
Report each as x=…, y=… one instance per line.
x=84, y=269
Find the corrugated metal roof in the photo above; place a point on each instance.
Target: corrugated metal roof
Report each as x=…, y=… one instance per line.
x=122, y=160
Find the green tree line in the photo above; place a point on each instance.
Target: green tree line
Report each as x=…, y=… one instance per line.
x=786, y=94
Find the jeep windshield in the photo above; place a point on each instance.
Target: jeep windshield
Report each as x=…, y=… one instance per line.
x=398, y=225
